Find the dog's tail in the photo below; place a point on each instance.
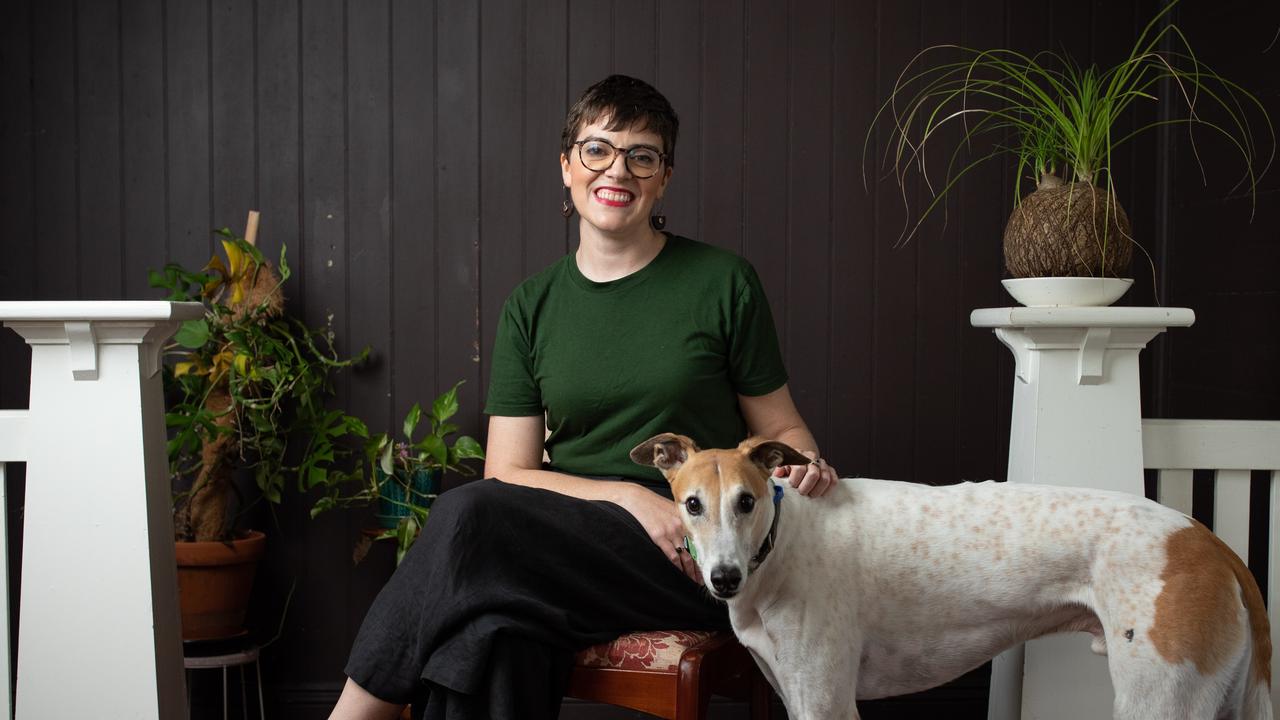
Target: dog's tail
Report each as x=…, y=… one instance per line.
x=1257, y=701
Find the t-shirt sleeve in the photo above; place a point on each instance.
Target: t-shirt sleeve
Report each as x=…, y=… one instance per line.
x=513, y=392
x=755, y=360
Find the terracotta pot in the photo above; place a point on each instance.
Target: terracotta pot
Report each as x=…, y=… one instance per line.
x=214, y=582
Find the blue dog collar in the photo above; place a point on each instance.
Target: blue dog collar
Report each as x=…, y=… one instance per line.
x=767, y=546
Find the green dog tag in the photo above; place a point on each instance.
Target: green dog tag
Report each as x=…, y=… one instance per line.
x=693, y=551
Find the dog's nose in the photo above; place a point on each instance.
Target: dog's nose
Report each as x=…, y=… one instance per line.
x=725, y=579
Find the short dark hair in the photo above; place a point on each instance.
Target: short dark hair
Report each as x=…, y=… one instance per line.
x=628, y=102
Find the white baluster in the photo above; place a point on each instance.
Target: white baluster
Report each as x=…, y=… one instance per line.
x=1231, y=510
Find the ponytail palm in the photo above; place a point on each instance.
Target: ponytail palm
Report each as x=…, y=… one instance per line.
x=1059, y=121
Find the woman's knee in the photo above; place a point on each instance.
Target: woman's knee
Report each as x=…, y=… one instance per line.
x=360, y=704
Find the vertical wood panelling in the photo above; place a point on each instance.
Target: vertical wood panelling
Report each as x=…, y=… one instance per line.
x=406, y=152
x=808, y=239
x=325, y=265
x=679, y=72
x=276, y=70
x=324, y=137
x=765, y=187
x=99, y=236
x=54, y=119
x=144, y=226
x=894, y=318
x=548, y=93
x=503, y=194
x=937, y=286
x=414, y=303
x=722, y=117
x=1225, y=251
x=276, y=176
x=590, y=37
x=369, y=252
x=370, y=257
x=458, y=144
x=232, y=111
x=853, y=240
x=981, y=209
x=634, y=25
x=187, y=111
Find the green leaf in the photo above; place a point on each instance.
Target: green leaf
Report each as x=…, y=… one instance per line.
x=317, y=476
x=283, y=267
x=272, y=492
x=406, y=534
x=468, y=449
x=446, y=406
x=384, y=462
x=411, y=420
x=193, y=334
x=435, y=447
x=356, y=426
x=323, y=504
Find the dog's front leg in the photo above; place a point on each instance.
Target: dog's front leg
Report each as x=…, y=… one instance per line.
x=816, y=668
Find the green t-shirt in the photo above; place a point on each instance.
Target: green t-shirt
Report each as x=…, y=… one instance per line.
x=665, y=349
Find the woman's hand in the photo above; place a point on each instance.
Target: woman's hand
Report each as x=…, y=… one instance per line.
x=814, y=479
x=661, y=520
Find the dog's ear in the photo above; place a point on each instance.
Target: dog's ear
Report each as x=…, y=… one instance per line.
x=667, y=452
x=771, y=454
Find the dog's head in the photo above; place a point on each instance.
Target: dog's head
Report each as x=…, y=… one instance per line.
x=725, y=499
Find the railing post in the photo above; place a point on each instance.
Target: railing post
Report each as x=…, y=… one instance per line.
x=99, y=632
x=1077, y=420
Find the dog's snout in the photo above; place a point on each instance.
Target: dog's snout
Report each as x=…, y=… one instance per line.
x=726, y=579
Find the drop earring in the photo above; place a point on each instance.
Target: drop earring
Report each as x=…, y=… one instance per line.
x=658, y=221
x=567, y=208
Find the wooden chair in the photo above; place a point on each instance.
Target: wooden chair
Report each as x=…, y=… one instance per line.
x=671, y=674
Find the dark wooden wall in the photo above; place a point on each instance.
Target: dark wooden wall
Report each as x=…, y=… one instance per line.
x=405, y=152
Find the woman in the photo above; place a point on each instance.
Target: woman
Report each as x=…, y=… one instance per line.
x=637, y=332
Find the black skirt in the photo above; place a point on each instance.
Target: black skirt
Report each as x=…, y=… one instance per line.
x=504, y=585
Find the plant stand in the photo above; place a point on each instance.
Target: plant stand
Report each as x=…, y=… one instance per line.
x=1077, y=421
x=99, y=632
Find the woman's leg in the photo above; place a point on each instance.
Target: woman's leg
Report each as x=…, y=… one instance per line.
x=356, y=703
x=497, y=560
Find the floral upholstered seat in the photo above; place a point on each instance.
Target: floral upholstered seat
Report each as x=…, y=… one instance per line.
x=656, y=651
x=669, y=673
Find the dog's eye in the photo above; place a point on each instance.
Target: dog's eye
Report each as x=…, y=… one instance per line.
x=693, y=506
x=746, y=504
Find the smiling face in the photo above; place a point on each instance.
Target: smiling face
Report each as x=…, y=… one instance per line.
x=613, y=201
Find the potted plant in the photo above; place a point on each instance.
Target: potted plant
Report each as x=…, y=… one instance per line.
x=404, y=474
x=1062, y=118
x=246, y=387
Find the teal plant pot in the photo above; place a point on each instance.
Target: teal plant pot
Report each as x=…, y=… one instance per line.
x=393, y=496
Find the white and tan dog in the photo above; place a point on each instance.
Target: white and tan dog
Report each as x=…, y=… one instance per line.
x=883, y=588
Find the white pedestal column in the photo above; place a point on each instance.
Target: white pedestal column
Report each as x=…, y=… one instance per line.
x=1077, y=420
x=99, y=632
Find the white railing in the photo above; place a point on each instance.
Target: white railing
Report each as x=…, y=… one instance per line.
x=1231, y=449
x=99, y=632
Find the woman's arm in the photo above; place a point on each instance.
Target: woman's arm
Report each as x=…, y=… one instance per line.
x=514, y=454
x=774, y=416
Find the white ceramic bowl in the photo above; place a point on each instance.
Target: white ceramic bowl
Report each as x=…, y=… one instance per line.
x=1066, y=291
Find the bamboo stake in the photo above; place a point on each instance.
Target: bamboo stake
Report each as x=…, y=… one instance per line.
x=251, y=228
